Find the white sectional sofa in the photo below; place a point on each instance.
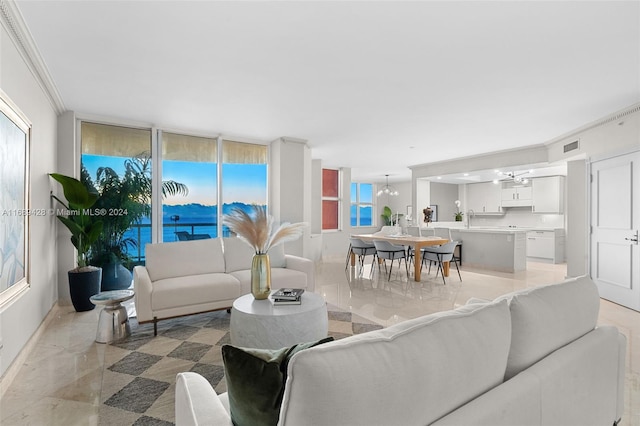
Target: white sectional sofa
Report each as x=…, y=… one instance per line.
x=189, y=277
x=534, y=357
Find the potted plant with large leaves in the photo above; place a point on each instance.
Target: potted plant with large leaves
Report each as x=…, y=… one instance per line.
x=389, y=218
x=84, y=280
x=126, y=200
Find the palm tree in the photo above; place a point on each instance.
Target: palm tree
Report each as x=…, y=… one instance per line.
x=124, y=201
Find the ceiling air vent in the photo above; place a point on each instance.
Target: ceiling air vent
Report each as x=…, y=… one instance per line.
x=571, y=146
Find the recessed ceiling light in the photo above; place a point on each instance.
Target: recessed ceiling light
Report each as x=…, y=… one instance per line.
x=439, y=177
x=466, y=174
x=496, y=181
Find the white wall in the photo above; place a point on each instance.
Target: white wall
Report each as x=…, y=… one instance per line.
x=67, y=163
x=290, y=172
x=613, y=135
x=397, y=203
x=576, y=240
x=444, y=196
x=21, y=319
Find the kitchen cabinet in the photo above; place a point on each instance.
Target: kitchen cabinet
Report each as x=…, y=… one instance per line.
x=516, y=195
x=484, y=198
x=548, y=194
x=546, y=245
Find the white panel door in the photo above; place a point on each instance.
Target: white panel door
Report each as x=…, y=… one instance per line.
x=615, y=219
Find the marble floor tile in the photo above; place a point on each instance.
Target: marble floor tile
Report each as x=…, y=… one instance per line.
x=64, y=380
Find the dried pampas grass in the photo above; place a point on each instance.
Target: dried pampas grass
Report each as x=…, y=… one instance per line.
x=256, y=228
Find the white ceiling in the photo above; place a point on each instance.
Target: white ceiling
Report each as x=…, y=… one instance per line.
x=375, y=86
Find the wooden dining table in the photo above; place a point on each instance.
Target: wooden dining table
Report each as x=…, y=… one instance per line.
x=407, y=240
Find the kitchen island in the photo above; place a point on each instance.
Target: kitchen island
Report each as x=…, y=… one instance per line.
x=497, y=249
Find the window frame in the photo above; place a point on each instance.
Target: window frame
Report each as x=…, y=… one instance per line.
x=15, y=115
x=358, y=204
x=156, y=158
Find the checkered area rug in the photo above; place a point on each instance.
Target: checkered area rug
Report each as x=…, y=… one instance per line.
x=138, y=384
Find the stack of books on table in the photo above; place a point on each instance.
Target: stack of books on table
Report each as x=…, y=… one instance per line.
x=287, y=296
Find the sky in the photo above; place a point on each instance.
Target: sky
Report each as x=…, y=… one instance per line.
x=244, y=183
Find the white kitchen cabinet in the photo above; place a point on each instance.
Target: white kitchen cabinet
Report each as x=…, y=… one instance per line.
x=484, y=198
x=548, y=194
x=516, y=195
x=546, y=245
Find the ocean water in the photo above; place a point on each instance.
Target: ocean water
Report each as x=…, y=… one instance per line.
x=194, y=219
x=142, y=234
x=201, y=221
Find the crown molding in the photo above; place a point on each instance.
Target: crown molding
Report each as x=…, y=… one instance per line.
x=615, y=116
x=13, y=22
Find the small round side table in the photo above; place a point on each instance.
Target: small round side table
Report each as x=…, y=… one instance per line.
x=113, y=323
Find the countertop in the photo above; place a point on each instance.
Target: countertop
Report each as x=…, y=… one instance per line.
x=503, y=229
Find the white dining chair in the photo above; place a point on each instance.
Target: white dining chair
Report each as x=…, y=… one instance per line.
x=439, y=255
x=362, y=249
x=388, y=251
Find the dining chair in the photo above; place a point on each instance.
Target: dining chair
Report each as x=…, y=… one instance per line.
x=362, y=249
x=441, y=254
x=388, y=251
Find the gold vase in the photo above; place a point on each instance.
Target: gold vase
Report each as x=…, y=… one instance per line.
x=260, y=276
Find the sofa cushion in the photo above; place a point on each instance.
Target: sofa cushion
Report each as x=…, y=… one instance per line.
x=238, y=255
x=255, y=381
x=203, y=288
x=182, y=258
x=418, y=370
x=544, y=319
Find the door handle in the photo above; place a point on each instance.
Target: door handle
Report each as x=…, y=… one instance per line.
x=633, y=239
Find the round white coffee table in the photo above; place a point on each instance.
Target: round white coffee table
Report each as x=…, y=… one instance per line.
x=113, y=322
x=261, y=324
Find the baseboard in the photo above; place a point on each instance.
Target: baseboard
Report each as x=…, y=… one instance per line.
x=18, y=362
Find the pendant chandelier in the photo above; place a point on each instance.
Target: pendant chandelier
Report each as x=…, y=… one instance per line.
x=387, y=189
x=513, y=176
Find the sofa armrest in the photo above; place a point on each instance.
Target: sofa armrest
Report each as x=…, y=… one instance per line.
x=302, y=264
x=197, y=404
x=143, y=288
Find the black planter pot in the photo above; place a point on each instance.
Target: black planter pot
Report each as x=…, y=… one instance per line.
x=115, y=276
x=83, y=285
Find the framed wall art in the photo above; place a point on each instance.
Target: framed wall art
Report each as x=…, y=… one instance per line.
x=15, y=133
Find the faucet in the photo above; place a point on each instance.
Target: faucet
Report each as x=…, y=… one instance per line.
x=470, y=214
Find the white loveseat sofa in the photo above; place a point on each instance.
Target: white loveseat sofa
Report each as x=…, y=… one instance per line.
x=189, y=277
x=534, y=357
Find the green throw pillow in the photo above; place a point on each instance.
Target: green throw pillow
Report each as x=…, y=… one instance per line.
x=255, y=381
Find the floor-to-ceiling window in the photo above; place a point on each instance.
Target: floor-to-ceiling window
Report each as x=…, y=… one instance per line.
x=116, y=162
x=190, y=213
x=199, y=174
x=244, y=176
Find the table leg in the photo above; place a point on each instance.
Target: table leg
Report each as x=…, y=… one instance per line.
x=445, y=268
x=353, y=259
x=417, y=262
